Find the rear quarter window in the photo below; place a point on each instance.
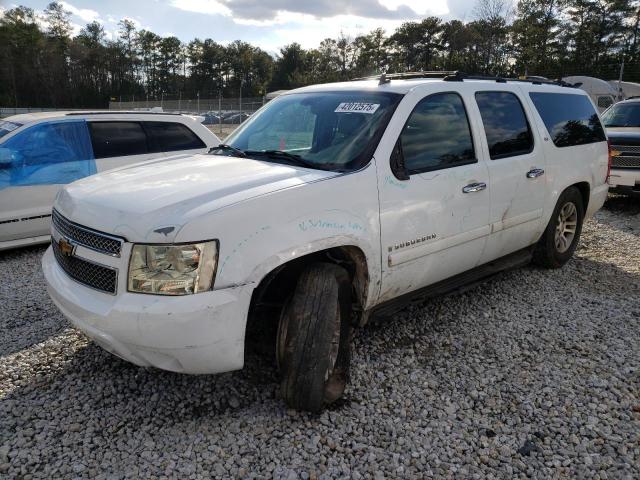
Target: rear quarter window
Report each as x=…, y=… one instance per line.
x=570, y=119
x=171, y=137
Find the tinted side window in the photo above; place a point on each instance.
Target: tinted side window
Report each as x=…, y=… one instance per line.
x=173, y=136
x=437, y=134
x=505, y=124
x=118, y=139
x=570, y=119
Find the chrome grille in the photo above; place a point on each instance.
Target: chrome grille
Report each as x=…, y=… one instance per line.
x=98, y=241
x=626, y=161
x=87, y=273
x=627, y=149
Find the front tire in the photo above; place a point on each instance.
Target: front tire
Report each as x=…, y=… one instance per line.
x=560, y=239
x=313, y=338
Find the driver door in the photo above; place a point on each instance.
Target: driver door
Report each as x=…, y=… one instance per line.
x=434, y=218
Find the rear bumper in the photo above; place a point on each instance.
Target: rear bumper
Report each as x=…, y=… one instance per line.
x=597, y=199
x=201, y=333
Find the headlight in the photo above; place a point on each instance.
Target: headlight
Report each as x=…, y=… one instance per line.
x=173, y=269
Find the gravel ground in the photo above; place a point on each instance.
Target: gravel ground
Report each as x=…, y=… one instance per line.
x=534, y=374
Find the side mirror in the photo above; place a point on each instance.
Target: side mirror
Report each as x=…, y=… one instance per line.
x=397, y=162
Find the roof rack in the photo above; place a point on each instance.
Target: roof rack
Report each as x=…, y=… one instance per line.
x=386, y=77
x=460, y=77
x=457, y=76
x=120, y=112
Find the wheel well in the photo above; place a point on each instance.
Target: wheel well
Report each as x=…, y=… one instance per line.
x=583, y=187
x=274, y=289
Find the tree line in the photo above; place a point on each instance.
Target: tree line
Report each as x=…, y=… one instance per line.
x=44, y=65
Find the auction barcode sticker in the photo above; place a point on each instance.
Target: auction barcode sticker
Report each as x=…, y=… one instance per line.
x=349, y=107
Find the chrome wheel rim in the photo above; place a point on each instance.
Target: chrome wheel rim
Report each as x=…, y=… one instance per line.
x=566, y=227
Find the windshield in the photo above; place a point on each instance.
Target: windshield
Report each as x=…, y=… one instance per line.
x=327, y=130
x=8, y=127
x=622, y=115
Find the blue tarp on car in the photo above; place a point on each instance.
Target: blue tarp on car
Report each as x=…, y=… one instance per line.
x=47, y=154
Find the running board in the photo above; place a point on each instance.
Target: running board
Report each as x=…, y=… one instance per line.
x=457, y=284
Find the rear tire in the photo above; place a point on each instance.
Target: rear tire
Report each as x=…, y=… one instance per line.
x=560, y=239
x=313, y=338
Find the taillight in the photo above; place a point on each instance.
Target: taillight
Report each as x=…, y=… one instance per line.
x=609, y=162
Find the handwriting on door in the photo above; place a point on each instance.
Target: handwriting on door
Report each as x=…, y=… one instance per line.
x=327, y=224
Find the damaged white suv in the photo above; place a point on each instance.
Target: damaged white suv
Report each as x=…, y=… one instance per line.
x=330, y=204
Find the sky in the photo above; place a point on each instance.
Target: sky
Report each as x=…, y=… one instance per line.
x=269, y=24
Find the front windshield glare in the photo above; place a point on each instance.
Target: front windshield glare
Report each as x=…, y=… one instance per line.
x=622, y=115
x=328, y=130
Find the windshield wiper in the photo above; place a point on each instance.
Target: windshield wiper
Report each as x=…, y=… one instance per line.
x=290, y=158
x=229, y=148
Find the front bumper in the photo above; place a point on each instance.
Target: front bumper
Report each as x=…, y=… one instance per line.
x=624, y=177
x=201, y=333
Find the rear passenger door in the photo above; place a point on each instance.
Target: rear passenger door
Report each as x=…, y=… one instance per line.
x=120, y=143
x=516, y=170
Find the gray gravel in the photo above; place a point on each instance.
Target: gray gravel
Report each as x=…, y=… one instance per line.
x=534, y=374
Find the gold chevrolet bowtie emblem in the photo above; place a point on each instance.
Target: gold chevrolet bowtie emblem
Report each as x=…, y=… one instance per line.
x=65, y=247
x=616, y=153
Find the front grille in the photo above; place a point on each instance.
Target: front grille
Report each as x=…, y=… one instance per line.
x=627, y=149
x=98, y=241
x=626, y=161
x=87, y=273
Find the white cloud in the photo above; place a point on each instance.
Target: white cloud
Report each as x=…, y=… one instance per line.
x=432, y=7
x=311, y=31
x=85, y=14
x=209, y=7
x=266, y=12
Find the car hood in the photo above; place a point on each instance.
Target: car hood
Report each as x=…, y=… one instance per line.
x=135, y=202
x=624, y=135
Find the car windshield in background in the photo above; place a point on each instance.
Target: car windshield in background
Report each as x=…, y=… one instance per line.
x=622, y=115
x=328, y=130
x=8, y=127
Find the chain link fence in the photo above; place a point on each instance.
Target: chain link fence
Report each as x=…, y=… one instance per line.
x=221, y=115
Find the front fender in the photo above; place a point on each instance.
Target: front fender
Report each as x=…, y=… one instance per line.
x=259, y=235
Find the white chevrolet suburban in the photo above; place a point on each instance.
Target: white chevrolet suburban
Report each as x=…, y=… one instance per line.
x=332, y=203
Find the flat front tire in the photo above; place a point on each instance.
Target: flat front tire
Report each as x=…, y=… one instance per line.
x=560, y=239
x=313, y=338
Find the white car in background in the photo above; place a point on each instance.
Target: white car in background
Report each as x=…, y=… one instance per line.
x=41, y=152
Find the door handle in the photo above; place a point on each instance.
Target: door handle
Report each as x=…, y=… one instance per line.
x=535, y=173
x=474, y=187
